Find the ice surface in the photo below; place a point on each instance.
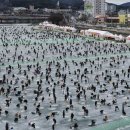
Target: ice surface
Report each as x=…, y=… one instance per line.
x=44, y=42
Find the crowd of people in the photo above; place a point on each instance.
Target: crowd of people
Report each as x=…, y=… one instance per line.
x=53, y=80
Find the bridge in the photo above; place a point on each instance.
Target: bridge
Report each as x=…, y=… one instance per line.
x=58, y=10
x=5, y=19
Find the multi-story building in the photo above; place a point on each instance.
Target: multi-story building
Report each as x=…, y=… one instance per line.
x=128, y=15
x=95, y=7
x=110, y=8
x=99, y=8
x=122, y=17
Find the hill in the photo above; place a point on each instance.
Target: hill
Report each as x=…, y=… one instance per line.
x=125, y=6
x=75, y=4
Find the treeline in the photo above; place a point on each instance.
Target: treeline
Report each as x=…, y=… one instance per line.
x=74, y=4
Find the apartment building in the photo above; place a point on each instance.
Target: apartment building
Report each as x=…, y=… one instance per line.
x=95, y=7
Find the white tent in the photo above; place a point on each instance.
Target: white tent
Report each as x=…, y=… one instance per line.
x=49, y=26
x=68, y=29
x=121, y=38
x=40, y=24
x=116, y=37
x=19, y=8
x=73, y=29
x=128, y=39
x=100, y=34
x=86, y=33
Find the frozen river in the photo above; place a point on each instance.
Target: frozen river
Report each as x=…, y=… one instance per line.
x=37, y=66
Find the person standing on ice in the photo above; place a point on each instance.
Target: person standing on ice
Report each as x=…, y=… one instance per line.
x=7, y=126
x=53, y=127
x=75, y=126
x=72, y=116
x=85, y=111
x=95, y=104
x=54, y=96
x=63, y=113
x=123, y=110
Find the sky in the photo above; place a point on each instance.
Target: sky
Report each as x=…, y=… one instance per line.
x=117, y=1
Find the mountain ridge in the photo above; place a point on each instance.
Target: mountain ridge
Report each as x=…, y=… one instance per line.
x=127, y=4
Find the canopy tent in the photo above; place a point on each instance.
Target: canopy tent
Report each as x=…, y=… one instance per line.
x=100, y=34
x=128, y=39
x=82, y=32
x=110, y=36
x=119, y=38
x=93, y=32
x=67, y=28
x=116, y=37
x=86, y=32
x=48, y=26
x=40, y=24
x=19, y=8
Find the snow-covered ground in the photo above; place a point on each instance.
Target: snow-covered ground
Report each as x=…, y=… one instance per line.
x=21, y=46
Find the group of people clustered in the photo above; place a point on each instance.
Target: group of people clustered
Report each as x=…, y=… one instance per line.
x=57, y=80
